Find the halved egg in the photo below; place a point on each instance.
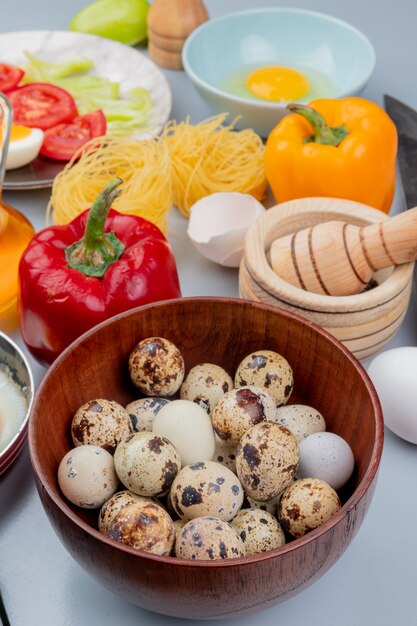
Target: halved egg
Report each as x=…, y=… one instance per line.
x=24, y=146
x=277, y=83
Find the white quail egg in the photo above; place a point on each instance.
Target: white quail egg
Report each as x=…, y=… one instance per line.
x=239, y=409
x=206, y=488
x=205, y=384
x=302, y=420
x=114, y=505
x=266, y=460
x=207, y=539
x=260, y=531
x=142, y=412
x=100, y=423
x=87, y=477
x=268, y=369
x=306, y=504
x=147, y=463
x=328, y=457
x=156, y=367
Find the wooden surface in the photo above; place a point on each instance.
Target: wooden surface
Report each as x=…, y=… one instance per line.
x=365, y=321
x=220, y=331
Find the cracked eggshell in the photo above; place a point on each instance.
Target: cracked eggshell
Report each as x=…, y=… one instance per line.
x=239, y=409
x=156, y=367
x=207, y=538
x=218, y=224
x=143, y=526
x=260, y=531
x=306, y=504
x=189, y=429
x=266, y=461
x=114, y=505
x=326, y=456
x=268, y=369
x=206, y=488
x=142, y=412
x=101, y=423
x=206, y=384
x=147, y=463
x=300, y=419
x=87, y=477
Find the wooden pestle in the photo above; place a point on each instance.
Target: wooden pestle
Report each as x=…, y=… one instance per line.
x=339, y=259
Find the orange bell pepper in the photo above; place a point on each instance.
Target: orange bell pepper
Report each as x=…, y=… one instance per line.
x=336, y=148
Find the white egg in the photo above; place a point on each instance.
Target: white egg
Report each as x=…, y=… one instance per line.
x=24, y=146
x=326, y=456
x=394, y=374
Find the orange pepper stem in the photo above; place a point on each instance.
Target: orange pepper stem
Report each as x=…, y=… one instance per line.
x=323, y=133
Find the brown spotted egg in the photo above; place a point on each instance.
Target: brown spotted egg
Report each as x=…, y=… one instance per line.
x=306, y=504
x=268, y=369
x=143, y=526
x=156, y=367
x=300, y=419
x=206, y=488
x=147, y=463
x=260, y=531
x=266, y=461
x=270, y=506
x=100, y=423
x=205, y=384
x=207, y=538
x=114, y=505
x=225, y=454
x=239, y=409
x=142, y=412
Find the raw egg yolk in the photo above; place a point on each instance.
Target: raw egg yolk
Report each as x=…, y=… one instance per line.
x=277, y=83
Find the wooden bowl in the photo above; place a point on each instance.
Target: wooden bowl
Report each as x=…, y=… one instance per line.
x=364, y=322
x=222, y=331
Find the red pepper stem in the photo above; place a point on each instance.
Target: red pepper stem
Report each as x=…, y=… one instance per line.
x=97, y=250
x=322, y=132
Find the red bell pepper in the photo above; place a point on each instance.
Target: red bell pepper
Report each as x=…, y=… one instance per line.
x=102, y=263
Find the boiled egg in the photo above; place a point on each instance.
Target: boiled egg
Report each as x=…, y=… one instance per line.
x=277, y=83
x=24, y=146
x=12, y=409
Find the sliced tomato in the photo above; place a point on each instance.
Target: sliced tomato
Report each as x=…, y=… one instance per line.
x=42, y=105
x=10, y=77
x=61, y=142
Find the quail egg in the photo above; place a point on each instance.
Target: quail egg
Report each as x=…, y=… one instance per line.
x=205, y=384
x=100, y=423
x=207, y=538
x=270, y=506
x=268, y=369
x=87, y=477
x=156, y=367
x=142, y=412
x=300, y=419
x=328, y=457
x=266, y=460
x=206, y=488
x=113, y=505
x=306, y=504
x=143, y=526
x=225, y=454
x=239, y=409
x=147, y=463
x=259, y=530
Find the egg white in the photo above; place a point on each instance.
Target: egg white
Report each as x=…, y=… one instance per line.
x=23, y=151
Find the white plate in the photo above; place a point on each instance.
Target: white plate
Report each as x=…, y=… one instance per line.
x=113, y=60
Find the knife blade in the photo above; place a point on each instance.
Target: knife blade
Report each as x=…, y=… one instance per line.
x=405, y=119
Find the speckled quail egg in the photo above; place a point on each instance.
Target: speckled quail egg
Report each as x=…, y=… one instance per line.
x=206, y=488
x=87, y=477
x=156, y=367
x=142, y=412
x=326, y=456
x=239, y=409
x=268, y=369
x=114, y=505
x=266, y=460
x=189, y=428
x=178, y=526
x=208, y=538
x=205, y=384
x=147, y=463
x=100, y=423
x=306, y=504
x=260, y=531
x=302, y=420
x=270, y=506
x=225, y=454
x=143, y=526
